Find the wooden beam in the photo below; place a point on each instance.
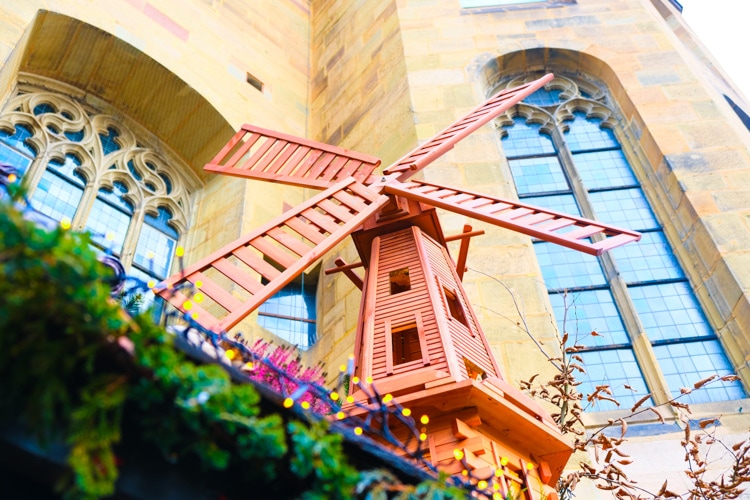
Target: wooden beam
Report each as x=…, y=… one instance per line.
x=345, y=268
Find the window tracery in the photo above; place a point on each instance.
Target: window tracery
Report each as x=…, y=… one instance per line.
x=87, y=166
x=564, y=154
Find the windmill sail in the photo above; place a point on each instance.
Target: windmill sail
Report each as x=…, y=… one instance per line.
x=238, y=278
x=444, y=141
x=556, y=227
x=260, y=154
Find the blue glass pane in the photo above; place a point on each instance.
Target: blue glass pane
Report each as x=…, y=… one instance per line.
x=564, y=203
x=40, y=109
x=134, y=171
x=616, y=368
x=685, y=364
x=9, y=156
x=580, y=313
x=161, y=222
x=669, y=311
x=626, y=208
x=563, y=268
x=167, y=183
x=108, y=226
x=154, y=251
x=586, y=133
x=294, y=303
x=68, y=169
x=147, y=297
x=544, y=97
x=116, y=196
x=524, y=139
x=109, y=142
x=647, y=260
x=75, y=136
x=17, y=140
x=537, y=175
x=56, y=197
x=604, y=169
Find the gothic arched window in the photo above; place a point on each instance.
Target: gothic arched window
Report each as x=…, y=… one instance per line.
x=89, y=168
x=564, y=154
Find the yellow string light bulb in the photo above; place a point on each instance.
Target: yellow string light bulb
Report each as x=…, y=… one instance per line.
x=499, y=473
x=504, y=461
x=496, y=486
x=198, y=284
x=334, y=396
x=305, y=405
x=150, y=255
x=368, y=380
x=342, y=368
x=288, y=403
x=110, y=236
x=406, y=412
x=458, y=454
x=387, y=398
x=482, y=484
x=249, y=366
x=65, y=223
x=187, y=305
x=424, y=419
x=179, y=251
x=340, y=415
x=530, y=466
x=355, y=380
x=423, y=436
x=230, y=354
x=358, y=431
x=350, y=399
x=12, y=178
x=151, y=283
x=497, y=496
x=465, y=472
x=194, y=315
x=198, y=297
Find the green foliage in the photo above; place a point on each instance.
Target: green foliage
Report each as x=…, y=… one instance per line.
x=78, y=370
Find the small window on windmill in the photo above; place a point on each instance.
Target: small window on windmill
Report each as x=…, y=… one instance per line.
x=400, y=281
x=474, y=371
x=454, y=306
x=405, y=342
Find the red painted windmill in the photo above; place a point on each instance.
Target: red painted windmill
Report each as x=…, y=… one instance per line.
x=417, y=331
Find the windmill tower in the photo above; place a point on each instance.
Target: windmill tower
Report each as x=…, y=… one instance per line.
x=417, y=336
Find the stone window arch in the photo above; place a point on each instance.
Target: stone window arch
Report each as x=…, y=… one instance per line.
x=564, y=146
x=98, y=172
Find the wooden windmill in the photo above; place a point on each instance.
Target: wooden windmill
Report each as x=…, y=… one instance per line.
x=417, y=336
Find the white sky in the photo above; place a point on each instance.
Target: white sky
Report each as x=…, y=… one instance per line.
x=722, y=25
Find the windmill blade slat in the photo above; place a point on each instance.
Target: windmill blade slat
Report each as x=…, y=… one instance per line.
x=445, y=140
x=257, y=264
x=291, y=242
x=274, y=252
x=215, y=292
x=261, y=154
x=534, y=221
x=236, y=274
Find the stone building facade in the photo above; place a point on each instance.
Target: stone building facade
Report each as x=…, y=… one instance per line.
x=112, y=108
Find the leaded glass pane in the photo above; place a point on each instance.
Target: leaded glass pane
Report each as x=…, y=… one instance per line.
x=544, y=97
x=669, y=311
x=290, y=314
x=154, y=251
x=108, y=225
x=685, y=364
x=563, y=268
x=17, y=140
x=9, y=156
x=604, y=169
x=524, y=139
x=616, y=368
x=564, y=203
x=56, y=197
x=109, y=141
x=649, y=259
x=580, y=313
x=586, y=133
x=625, y=208
x=538, y=175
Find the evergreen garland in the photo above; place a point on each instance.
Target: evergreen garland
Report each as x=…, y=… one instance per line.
x=77, y=369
